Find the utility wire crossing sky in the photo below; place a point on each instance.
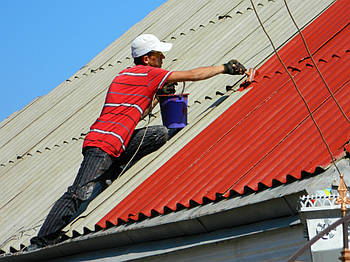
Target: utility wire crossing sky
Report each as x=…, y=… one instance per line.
x=44, y=42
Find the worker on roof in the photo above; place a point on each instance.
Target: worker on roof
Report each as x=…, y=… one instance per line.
x=112, y=139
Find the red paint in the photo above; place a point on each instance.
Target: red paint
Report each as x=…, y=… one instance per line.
x=265, y=136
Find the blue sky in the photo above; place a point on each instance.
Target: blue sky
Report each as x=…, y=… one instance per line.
x=44, y=42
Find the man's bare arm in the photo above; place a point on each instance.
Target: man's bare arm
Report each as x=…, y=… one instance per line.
x=232, y=67
x=196, y=74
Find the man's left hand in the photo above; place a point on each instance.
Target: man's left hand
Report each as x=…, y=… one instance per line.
x=233, y=67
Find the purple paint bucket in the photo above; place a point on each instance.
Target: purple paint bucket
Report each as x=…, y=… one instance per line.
x=174, y=110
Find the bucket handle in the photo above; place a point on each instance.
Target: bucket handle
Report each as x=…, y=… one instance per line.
x=183, y=88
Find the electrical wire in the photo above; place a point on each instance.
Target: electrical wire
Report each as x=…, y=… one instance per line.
x=297, y=88
x=138, y=148
x=144, y=134
x=294, y=83
x=125, y=167
x=313, y=61
x=120, y=174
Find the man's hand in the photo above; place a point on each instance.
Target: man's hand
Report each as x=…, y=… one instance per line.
x=168, y=89
x=233, y=67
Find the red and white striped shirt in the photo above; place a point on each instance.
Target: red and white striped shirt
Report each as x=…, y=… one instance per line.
x=129, y=95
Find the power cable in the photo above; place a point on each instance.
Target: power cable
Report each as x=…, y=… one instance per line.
x=313, y=61
x=296, y=87
x=120, y=174
x=126, y=165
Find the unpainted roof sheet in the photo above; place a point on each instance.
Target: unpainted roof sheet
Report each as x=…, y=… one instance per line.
x=267, y=135
x=126, y=184
x=40, y=145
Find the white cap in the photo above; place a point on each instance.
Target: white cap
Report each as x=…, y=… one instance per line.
x=146, y=43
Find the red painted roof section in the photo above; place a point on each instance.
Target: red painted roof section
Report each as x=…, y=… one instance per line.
x=266, y=135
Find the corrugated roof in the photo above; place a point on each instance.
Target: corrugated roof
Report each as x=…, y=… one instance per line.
x=250, y=42
x=265, y=136
x=40, y=145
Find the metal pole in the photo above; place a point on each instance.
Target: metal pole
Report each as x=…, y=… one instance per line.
x=343, y=200
x=317, y=237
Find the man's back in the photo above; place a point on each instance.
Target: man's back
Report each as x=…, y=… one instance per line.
x=128, y=97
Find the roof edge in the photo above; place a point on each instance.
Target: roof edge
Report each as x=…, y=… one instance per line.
x=179, y=224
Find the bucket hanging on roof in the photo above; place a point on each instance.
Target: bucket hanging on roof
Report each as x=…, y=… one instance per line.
x=174, y=110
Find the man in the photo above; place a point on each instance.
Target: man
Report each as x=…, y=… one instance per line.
x=112, y=139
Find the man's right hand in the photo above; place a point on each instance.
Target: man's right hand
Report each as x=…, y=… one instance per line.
x=233, y=67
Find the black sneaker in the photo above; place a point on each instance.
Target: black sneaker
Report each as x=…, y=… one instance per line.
x=36, y=243
x=41, y=242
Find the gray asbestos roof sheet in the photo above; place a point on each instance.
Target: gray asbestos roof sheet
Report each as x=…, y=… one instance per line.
x=40, y=146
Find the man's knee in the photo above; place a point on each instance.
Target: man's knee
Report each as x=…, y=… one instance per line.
x=84, y=192
x=164, y=133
